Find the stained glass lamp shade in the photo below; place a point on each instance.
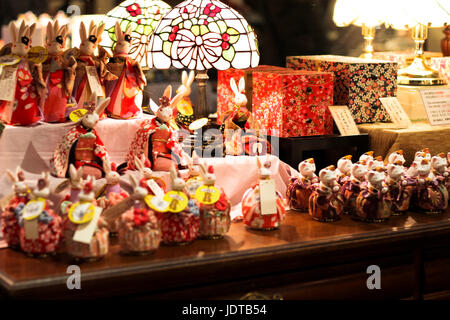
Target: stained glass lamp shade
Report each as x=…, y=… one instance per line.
x=201, y=35
x=144, y=16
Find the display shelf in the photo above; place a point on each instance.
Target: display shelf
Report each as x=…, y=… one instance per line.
x=304, y=259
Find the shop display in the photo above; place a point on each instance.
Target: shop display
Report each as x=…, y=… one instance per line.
x=300, y=188
x=326, y=204
x=125, y=91
x=59, y=74
x=82, y=147
x=263, y=207
x=214, y=206
x=359, y=83
x=183, y=111
x=23, y=86
x=400, y=192
x=352, y=187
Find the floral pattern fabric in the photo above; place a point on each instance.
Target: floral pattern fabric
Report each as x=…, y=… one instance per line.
x=215, y=218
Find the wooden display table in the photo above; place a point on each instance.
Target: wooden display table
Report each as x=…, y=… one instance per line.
x=305, y=259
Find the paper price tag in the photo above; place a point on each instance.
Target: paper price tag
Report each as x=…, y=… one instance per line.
x=8, y=83
x=31, y=229
x=76, y=115
x=94, y=82
x=344, y=120
x=33, y=209
x=85, y=231
x=177, y=201
x=156, y=203
x=396, y=112
x=156, y=189
x=81, y=213
x=207, y=194
x=37, y=54
x=267, y=196
x=437, y=105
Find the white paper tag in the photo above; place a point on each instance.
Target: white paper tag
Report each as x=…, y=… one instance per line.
x=156, y=189
x=33, y=209
x=437, y=105
x=344, y=120
x=31, y=229
x=267, y=196
x=85, y=231
x=396, y=112
x=8, y=83
x=94, y=82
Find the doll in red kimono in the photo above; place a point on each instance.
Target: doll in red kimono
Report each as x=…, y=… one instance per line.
x=183, y=111
x=21, y=106
x=157, y=138
x=126, y=91
x=82, y=147
x=59, y=74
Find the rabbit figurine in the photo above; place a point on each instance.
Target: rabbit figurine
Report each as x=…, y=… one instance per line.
x=21, y=104
x=326, y=204
x=12, y=212
x=214, y=206
x=126, y=90
x=82, y=147
x=237, y=117
x=300, y=188
x=373, y=203
x=180, y=222
x=352, y=187
x=75, y=182
x=40, y=227
x=59, y=74
x=87, y=63
x=143, y=165
x=157, y=138
x=183, y=111
x=195, y=180
x=80, y=214
x=251, y=202
x=400, y=191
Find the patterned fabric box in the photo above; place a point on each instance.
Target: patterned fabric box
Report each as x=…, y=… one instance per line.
x=359, y=83
x=225, y=96
x=443, y=65
x=293, y=103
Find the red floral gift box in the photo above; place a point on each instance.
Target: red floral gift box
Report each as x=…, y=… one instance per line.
x=359, y=83
x=293, y=103
x=225, y=96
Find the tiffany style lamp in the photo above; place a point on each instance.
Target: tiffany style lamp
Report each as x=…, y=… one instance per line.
x=200, y=35
x=144, y=16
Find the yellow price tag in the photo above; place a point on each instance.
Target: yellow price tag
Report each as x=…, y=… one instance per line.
x=177, y=201
x=81, y=212
x=33, y=209
x=76, y=115
x=156, y=203
x=207, y=194
x=37, y=54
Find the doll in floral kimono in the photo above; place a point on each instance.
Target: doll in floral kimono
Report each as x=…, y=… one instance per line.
x=352, y=187
x=373, y=203
x=21, y=106
x=150, y=180
x=126, y=91
x=82, y=147
x=157, y=138
x=12, y=212
x=40, y=226
x=400, y=191
x=326, y=203
x=300, y=188
x=183, y=111
x=82, y=91
x=59, y=74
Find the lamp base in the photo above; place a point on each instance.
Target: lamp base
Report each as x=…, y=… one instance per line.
x=418, y=73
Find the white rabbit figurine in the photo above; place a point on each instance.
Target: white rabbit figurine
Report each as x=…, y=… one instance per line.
x=184, y=112
x=143, y=165
x=195, y=179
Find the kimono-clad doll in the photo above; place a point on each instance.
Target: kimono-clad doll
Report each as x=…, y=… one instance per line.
x=214, y=206
x=373, y=203
x=352, y=187
x=92, y=246
x=400, y=191
x=126, y=91
x=59, y=74
x=237, y=117
x=157, y=138
x=40, y=226
x=254, y=217
x=12, y=212
x=432, y=196
x=300, y=188
x=183, y=111
x=82, y=147
x=344, y=167
x=138, y=227
x=25, y=86
x=326, y=203
x=86, y=60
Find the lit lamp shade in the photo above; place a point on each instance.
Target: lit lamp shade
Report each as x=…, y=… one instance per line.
x=203, y=34
x=358, y=12
x=144, y=16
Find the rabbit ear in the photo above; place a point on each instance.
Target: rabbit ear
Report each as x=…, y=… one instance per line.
x=168, y=92
x=191, y=78
x=173, y=173
x=241, y=84
x=73, y=172
x=202, y=170
x=91, y=28
x=139, y=164
x=107, y=166
x=80, y=173
x=13, y=32
x=11, y=176
x=64, y=31
x=184, y=77
x=174, y=101
x=129, y=29
x=49, y=31
x=133, y=181
x=102, y=106
x=258, y=163
x=30, y=30
x=83, y=32
x=233, y=86
x=100, y=30
x=56, y=28
x=22, y=30
x=118, y=32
